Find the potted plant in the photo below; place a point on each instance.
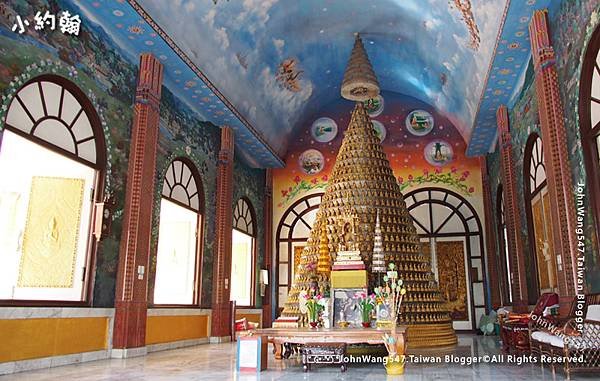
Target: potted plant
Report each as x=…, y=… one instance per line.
x=392, y=292
x=366, y=303
x=314, y=307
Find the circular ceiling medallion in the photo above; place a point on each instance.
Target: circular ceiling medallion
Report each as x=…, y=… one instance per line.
x=374, y=106
x=311, y=161
x=380, y=130
x=324, y=130
x=419, y=122
x=438, y=153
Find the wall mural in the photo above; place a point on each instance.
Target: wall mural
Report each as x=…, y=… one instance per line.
x=105, y=68
x=506, y=71
x=577, y=20
x=423, y=147
x=280, y=62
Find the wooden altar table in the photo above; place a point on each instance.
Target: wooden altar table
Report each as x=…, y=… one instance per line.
x=305, y=336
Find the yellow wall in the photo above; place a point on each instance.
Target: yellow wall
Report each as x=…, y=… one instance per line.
x=253, y=317
x=165, y=329
x=22, y=339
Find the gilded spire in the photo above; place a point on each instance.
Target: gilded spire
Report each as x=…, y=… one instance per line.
x=362, y=188
x=324, y=263
x=360, y=82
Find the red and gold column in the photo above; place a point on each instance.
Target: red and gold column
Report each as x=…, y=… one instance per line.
x=511, y=213
x=556, y=156
x=132, y=283
x=221, y=312
x=492, y=258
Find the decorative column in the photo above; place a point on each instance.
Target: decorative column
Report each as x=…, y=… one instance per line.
x=556, y=156
x=129, y=338
x=267, y=315
x=511, y=213
x=490, y=247
x=221, y=311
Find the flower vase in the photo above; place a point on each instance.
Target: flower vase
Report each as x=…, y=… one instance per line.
x=394, y=365
x=313, y=324
x=366, y=324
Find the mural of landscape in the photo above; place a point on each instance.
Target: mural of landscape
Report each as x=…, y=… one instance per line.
x=98, y=64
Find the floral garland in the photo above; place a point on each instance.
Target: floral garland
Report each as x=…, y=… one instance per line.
x=302, y=185
x=58, y=68
x=451, y=178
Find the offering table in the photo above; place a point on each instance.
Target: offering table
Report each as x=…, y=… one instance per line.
x=308, y=336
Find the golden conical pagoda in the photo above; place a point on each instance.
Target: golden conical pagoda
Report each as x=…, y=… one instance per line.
x=361, y=183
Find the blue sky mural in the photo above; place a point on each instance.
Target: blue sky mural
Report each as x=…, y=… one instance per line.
x=280, y=61
x=122, y=23
x=264, y=67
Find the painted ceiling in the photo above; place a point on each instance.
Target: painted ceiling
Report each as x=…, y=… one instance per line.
x=265, y=67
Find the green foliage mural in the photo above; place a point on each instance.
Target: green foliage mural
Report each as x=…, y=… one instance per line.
x=572, y=27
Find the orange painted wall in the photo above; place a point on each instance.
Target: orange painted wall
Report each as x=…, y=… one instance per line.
x=253, y=317
x=22, y=339
x=166, y=329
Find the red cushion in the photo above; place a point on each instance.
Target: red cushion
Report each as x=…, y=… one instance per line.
x=241, y=325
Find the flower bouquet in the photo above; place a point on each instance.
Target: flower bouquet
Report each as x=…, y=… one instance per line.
x=392, y=292
x=366, y=303
x=314, y=306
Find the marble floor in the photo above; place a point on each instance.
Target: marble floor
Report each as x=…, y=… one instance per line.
x=217, y=363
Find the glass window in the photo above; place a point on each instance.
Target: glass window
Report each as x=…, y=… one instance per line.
x=589, y=117
x=241, y=268
x=242, y=254
x=505, y=254
x=178, y=244
x=51, y=161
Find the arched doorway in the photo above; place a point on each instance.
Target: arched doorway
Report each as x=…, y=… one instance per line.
x=292, y=233
x=451, y=233
x=539, y=223
x=52, y=166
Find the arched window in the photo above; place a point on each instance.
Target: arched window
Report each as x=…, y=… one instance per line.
x=506, y=279
x=52, y=159
x=180, y=236
x=243, y=241
x=292, y=234
x=589, y=115
x=537, y=210
x=451, y=234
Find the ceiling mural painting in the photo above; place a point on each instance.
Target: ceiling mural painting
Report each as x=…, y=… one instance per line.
x=264, y=67
x=506, y=73
x=435, y=158
x=133, y=34
x=280, y=61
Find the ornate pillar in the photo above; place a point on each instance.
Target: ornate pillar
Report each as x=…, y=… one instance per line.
x=267, y=316
x=490, y=243
x=221, y=312
x=511, y=213
x=131, y=295
x=556, y=156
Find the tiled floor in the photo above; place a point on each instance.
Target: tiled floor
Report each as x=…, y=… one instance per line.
x=217, y=363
